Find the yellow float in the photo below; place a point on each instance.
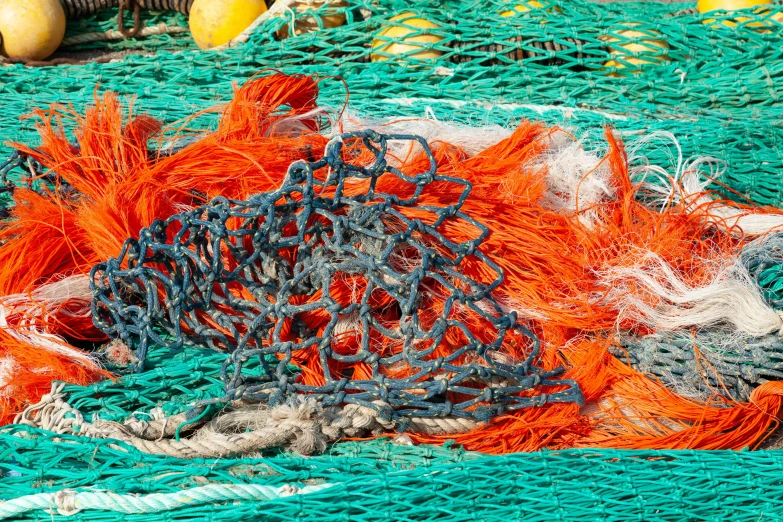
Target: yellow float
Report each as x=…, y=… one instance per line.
x=527, y=6
x=31, y=29
x=705, y=6
x=309, y=24
x=644, y=42
x=216, y=22
x=410, y=24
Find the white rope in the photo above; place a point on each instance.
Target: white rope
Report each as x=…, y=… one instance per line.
x=302, y=425
x=69, y=502
x=113, y=34
x=279, y=8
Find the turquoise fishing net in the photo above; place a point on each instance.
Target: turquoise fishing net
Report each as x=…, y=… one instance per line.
x=716, y=89
x=383, y=480
x=692, y=89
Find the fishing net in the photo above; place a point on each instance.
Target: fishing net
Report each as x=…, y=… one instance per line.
x=92, y=38
x=545, y=56
x=382, y=481
x=478, y=63
x=764, y=260
x=265, y=277
x=372, y=480
x=707, y=364
x=715, y=362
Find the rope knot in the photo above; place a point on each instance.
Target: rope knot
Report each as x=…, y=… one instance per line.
x=65, y=502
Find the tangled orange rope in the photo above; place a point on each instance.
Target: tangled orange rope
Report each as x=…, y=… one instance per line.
x=551, y=259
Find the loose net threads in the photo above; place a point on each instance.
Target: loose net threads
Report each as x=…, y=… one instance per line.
x=363, y=293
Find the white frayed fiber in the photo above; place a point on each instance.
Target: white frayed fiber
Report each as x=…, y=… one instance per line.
x=745, y=221
x=22, y=315
x=469, y=138
x=651, y=292
x=577, y=179
x=688, y=184
x=8, y=369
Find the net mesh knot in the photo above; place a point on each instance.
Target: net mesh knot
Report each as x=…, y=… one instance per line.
x=342, y=284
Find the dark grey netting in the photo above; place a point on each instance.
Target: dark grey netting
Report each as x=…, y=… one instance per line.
x=707, y=364
x=354, y=283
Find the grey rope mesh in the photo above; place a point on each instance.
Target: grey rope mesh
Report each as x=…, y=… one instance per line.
x=706, y=364
x=229, y=263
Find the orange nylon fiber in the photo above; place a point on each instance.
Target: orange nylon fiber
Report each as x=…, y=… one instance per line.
x=552, y=261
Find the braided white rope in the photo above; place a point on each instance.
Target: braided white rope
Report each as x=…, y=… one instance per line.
x=279, y=8
x=301, y=425
x=69, y=502
x=113, y=34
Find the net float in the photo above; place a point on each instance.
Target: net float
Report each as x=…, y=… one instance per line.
x=328, y=14
x=411, y=29
x=628, y=42
x=31, y=29
x=217, y=22
x=527, y=6
x=706, y=6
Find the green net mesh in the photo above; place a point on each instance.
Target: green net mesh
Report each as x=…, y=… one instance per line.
x=382, y=480
x=159, y=30
x=712, y=81
x=555, y=55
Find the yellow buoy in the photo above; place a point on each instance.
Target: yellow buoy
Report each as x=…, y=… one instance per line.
x=309, y=24
x=705, y=6
x=215, y=22
x=409, y=24
x=522, y=8
x=645, y=42
x=31, y=29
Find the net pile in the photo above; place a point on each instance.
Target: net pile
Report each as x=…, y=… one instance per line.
x=372, y=480
x=379, y=284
